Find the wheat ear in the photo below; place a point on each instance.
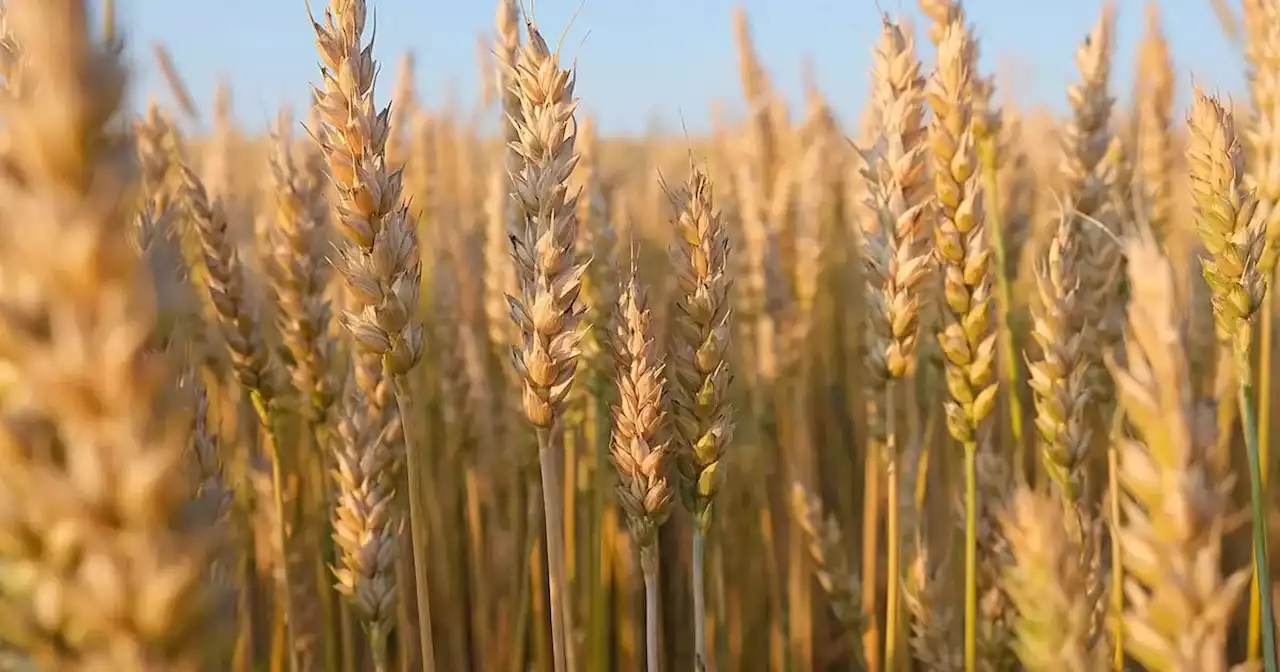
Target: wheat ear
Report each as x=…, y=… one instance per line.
x=639, y=448
x=700, y=367
x=380, y=259
x=548, y=311
x=1178, y=605
x=100, y=573
x=1060, y=376
x=1233, y=230
x=1046, y=582
x=967, y=338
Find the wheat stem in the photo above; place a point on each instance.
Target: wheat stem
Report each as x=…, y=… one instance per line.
x=1117, y=555
x=652, y=618
x=1262, y=573
x=555, y=547
x=970, y=556
x=268, y=420
x=699, y=599
x=417, y=524
x=892, y=618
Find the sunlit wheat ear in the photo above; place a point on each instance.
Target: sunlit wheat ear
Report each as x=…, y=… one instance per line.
x=379, y=260
x=100, y=572
x=301, y=275
x=1178, y=605
x=1060, y=374
x=1230, y=225
x=547, y=311
x=895, y=240
x=968, y=339
x=640, y=450
x=699, y=368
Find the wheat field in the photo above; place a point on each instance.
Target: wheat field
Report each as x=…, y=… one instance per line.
x=956, y=388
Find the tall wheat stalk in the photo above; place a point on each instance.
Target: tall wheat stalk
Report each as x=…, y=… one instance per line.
x=380, y=260
x=700, y=370
x=967, y=338
x=548, y=311
x=1233, y=230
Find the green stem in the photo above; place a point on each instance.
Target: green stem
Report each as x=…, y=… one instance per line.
x=1261, y=569
x=699, y=598
x=417, y=525
x=971, y=557
x=265, y=416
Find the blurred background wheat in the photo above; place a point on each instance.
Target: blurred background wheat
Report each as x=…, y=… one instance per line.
x=945, y=358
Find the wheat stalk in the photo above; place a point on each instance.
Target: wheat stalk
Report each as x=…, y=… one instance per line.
x=380, y=260
x=967, y=338
x=548, y=311
x=700, y=371
x=639, y=448
x=1232, y=229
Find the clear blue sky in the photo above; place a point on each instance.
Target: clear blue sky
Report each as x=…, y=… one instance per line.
x=641, y=59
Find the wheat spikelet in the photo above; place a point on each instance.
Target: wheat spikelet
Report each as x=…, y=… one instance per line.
x=1046, y=583
x=548, y=311
x=1155, y=137
x=640, y=451
x=700, y=370
x=1060, y=376
x=895, y=173
x=300, y=276
x=225, y=278
x=967, y=339
x=99, y=572
x=1230, y=225
x=1178, y=605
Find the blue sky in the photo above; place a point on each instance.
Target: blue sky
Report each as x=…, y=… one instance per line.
x=645, y=59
